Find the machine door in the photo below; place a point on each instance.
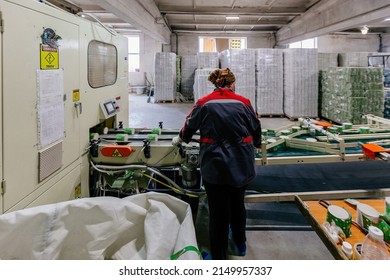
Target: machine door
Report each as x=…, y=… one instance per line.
x=30, y=169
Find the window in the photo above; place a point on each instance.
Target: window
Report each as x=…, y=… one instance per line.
x=102, y=64
x=211, y=44
x=305, y=44
x=133, y=53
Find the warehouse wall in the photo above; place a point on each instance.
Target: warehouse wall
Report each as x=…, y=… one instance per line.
x=189, y=44
x=348, y=43
x=386, y=43
x=148, y=48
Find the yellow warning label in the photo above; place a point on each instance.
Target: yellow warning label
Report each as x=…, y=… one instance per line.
x=116, y=153
x=49, y=57
x=77, y=191
x=76, y=95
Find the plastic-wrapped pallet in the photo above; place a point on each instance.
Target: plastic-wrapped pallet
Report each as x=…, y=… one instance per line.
x=353, y=59
x=326, y=60
x=300, y=83
x=165, y=77
x=242, y=63
x=386, y=111
x=202, y=86
x=269, y=81
x=178, y=72
x=349, y=92
x=386, y=74
x=188, y=66
x=208, y=60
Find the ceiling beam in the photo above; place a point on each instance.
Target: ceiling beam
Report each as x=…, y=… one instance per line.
x=216, y=33
x=133, y=12
x=223, y=22
x=164, y=9
x=332, y=16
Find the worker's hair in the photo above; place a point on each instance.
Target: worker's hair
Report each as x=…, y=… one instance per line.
x=222, y=77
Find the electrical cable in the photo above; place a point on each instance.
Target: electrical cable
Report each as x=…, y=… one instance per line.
x=118, y=169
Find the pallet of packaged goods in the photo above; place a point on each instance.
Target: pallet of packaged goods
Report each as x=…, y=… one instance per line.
x=269, y=82
x=300, y=83
x=386, y=109
x=242, y=63
x=353, y=59
x=348, y=92
x=327, y=60
x=189, y=64
x=202, y=86
x=165, y=76
x=207, y=60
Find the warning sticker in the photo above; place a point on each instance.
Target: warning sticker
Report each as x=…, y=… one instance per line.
x=116, y=153
x=76, y=95
x=49, y=57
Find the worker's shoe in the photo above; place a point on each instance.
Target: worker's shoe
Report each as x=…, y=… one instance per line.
x=236, y=250
x=206, y=256
x=241, y=252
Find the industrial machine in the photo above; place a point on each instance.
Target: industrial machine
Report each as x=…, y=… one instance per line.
x=127, y=161
x=60, y=76
x=64, y=118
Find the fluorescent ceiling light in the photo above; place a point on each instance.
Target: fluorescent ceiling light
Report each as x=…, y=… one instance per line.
x=232, y=17
x=387, y=19
x=364, y=30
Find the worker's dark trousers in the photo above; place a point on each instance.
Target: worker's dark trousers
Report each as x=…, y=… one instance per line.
x=226, y=206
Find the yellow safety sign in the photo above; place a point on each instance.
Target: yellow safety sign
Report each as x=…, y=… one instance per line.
x=116, y=153
x=49, y=57
x=76, y=95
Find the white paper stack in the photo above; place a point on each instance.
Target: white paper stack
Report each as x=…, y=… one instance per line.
x=202, y=86
x=188, y=66
x=353, y=59
x=269, y=81
x=165, y=77
x=300, y=83
x=326, y=60
x=242, y=63
x=208, y=60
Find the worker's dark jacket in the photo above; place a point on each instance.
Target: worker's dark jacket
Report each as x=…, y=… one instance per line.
x=229, y=130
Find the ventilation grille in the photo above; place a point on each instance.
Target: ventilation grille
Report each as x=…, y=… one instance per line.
x=50, y=160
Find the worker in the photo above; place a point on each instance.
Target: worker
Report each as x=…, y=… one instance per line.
x=229, y=132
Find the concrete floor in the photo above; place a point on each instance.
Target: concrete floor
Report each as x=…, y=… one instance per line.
x=263, y=243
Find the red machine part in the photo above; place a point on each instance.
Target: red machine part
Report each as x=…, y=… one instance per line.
x=116, y=151
x=371, y=150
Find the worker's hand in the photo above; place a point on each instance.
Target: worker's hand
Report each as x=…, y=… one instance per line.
x=176, y=141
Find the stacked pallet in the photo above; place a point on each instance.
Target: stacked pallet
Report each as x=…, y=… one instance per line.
x=189, y=64
x=165, y=77
x=269, y=81
x=208, y=60
x=300, y=83
x=242, y=63
x=178, y=72
x=386, y=111
x=353, y=59
x=349, y=92
x=202, y=86
x=326, y=60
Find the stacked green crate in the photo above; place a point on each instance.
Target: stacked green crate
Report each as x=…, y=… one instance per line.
x=386, y=74
x=349, y=92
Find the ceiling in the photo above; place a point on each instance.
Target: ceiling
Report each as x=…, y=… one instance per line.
x=205, y=17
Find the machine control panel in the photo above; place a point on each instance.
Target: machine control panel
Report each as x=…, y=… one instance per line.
x=110, y=107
